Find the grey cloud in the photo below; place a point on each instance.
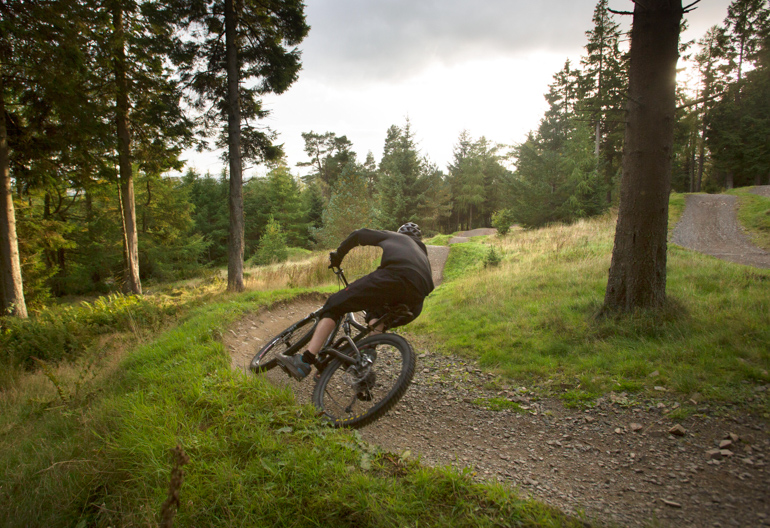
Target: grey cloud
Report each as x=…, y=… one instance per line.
x=376, y=40
x=392, y=38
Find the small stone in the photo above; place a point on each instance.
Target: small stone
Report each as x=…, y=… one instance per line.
x=636, y=427
x=724, y=444
x=654, y=374
x=713, y=454
x=734, y=437
x=677, y=430
x=671, y=503
x=659, y=388
x=618, y=430
x=725, y=452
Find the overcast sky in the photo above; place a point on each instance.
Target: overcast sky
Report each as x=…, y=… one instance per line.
x=448, y=65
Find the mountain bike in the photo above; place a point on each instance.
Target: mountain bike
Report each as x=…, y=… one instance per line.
x=362, y=371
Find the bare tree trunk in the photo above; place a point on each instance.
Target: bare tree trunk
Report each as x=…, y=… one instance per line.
x=235, y=247
x=637, y=277
x=130, y=237
x=11, y=287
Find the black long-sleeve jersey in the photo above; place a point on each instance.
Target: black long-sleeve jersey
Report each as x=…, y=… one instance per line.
x=400, y=253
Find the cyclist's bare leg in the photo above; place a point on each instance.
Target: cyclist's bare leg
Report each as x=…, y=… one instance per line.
x=321, y=334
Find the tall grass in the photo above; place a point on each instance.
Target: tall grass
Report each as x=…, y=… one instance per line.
x=533, y=318
x=310, y=272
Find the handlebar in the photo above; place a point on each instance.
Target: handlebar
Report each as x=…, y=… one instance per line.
x=340, y=274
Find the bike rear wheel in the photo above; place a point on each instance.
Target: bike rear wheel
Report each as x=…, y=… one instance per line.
x=288, y=342
x=338, y=393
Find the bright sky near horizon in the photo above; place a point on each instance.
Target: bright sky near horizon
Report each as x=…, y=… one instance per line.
x=449, y=65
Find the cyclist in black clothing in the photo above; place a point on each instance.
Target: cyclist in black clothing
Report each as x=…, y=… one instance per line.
x=404, y=277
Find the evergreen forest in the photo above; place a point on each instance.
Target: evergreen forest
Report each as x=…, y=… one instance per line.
x=81, y=80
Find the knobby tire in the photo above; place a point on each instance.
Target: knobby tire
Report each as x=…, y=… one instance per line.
x=335, y=395
x=289, y=342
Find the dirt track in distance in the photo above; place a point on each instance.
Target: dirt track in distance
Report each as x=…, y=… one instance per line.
x=709, y=225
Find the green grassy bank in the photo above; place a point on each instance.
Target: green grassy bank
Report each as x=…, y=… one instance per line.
x=533, y=319
x=95, y=450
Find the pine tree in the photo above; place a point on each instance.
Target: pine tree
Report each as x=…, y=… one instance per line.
x=711, y=84
x=329, y=154
x=272, y=245
x=234, y=53
x=401, y=192
x=606, y=78
x=349, y=207
x=730, y=125
x=637, y=277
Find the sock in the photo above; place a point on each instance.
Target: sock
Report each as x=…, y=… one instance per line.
x=308, y=357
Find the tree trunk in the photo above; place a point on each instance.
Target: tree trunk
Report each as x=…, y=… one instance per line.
x=236, y=239
x=729, y=179
x=637, y=277
x=11, y=288
x=130, y=237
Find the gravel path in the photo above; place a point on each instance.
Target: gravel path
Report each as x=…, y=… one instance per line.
x=622, y=462
x=709, y=225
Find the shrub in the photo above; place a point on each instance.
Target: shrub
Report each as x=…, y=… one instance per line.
x=65, y=332
x=502, y=220
x=493, y=258
x=272, y=246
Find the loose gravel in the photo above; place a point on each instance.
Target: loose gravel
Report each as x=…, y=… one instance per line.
x=709, y=225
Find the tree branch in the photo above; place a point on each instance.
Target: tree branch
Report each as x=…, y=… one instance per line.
x=687, y=9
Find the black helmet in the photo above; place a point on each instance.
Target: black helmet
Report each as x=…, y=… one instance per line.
x=411, y=229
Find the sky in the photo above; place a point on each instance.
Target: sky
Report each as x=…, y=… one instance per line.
x=445, y=65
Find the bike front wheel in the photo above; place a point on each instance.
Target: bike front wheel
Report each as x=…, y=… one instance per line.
x=355, y=395
x=288, y=342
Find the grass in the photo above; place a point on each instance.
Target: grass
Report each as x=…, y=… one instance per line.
x=533, y=319
x=310, y=272
x=438, y=240
x=86, y=437
x=498, y=404
x=754, y=216
x=104, y=457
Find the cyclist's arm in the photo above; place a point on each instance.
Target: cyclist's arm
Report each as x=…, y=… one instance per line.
x=361, y=237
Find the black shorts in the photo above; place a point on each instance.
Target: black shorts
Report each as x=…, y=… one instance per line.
x=371, y=293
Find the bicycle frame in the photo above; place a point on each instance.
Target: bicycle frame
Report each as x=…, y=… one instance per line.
x=345, y=342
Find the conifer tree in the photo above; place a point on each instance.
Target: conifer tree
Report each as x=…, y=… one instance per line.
x=150, y=129
x=637, y=277
x=400, y=190
x=231, y=53
x=350, y=207
x=41, y=68
x=605, y=79
x=329, y=154
x=730, y=123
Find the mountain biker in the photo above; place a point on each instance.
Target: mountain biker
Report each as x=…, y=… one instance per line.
x=404, y=277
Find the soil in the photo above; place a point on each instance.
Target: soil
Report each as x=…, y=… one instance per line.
x=709, y=225
x=622, y=462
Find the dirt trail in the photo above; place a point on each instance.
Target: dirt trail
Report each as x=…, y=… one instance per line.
x=709, y=225
x=623, y=461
